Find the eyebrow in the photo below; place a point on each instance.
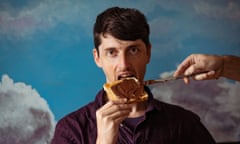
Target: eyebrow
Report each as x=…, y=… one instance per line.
x=109, y=48
x=134, y=45
x=129, y=46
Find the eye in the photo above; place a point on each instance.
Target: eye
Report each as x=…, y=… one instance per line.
x=111, y=52
x=134, y=50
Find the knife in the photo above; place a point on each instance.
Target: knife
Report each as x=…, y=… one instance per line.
x=163, y=80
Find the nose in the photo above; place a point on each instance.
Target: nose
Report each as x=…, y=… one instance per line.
x=124, y=61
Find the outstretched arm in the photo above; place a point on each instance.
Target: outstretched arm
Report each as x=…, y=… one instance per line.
x=215, y=66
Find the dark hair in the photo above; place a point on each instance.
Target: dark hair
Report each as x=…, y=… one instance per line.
x=121, y=23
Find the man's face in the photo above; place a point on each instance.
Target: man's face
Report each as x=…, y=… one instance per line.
x=120, y=59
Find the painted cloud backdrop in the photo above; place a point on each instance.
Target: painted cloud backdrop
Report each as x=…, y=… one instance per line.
x=48, y=44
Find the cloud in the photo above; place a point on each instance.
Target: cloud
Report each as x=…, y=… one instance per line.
x=42, y=15
x=215, y=101
x=19, y=23
x=24, y=19
x=25, y=116
x=229, y=10
x=194, y=25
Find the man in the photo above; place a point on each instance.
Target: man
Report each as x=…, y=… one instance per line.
x=122, y=49
x=215, y=66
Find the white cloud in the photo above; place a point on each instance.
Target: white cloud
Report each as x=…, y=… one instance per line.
x=215, y=101
x=25, y=116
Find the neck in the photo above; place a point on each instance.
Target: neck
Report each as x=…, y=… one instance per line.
x=138, y=109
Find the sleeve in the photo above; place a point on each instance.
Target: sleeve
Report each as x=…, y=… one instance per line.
x=63, y=134
x=199, y=133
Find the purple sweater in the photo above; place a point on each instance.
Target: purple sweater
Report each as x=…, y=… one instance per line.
x=162, y=124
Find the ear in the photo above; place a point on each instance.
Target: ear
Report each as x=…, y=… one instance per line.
x=149, y=52
x=96, y=58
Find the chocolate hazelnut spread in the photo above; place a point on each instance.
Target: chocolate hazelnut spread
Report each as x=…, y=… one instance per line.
x=128, y=88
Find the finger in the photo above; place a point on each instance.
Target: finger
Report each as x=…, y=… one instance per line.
x=180, y=70
x=186, y=63
x=120, y=114
x=196, y=69
x=186, y=80
x=192, y=70
x=211, y=73
x=111, y=108
x=120, y=101
x=205, y=76
x=200, y=76
x=119, y=119
x=115, y=118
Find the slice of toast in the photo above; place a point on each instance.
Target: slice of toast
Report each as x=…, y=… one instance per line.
x=129, y=88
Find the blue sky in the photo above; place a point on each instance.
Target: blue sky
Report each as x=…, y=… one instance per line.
x=48, y=44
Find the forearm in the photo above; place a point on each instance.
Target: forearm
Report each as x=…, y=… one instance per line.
x=231, y=67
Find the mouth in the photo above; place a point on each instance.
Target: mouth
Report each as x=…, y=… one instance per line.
x=125, y=75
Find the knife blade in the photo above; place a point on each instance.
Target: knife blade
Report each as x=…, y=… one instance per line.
x=163, y=80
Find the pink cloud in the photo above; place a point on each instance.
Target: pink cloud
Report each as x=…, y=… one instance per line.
x=229, y=11
x=22, y=26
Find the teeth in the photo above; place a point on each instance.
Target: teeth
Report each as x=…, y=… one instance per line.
x=124, y=76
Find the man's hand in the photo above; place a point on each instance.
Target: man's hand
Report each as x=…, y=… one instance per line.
x=109, y=118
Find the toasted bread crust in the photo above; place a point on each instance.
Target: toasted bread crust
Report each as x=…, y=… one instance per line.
x=129, y=88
